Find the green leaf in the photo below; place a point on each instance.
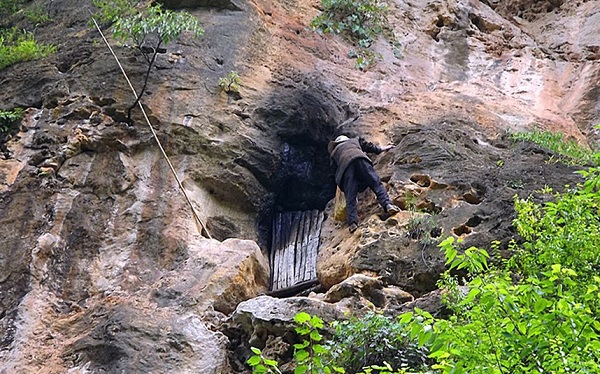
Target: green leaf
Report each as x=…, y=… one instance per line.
x=405, y=317
x=301, y=369
x=315, y=336
x=302, y=317
x=319, y=349
x=540, y=305
x=304, y=344
x=253, y=360
x=301, y=355
x=255, y=350
x=439, y=354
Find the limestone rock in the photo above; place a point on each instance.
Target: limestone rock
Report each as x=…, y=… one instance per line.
x=268, y=324
x=100, y=252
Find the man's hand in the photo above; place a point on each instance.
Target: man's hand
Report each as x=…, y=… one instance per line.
x=387, y=147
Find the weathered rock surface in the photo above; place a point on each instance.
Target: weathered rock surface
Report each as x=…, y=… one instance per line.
x=268, y=324
x=450, y=180
x=101, y=266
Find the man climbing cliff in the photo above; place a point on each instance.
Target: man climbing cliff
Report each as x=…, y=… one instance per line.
x=355, y=172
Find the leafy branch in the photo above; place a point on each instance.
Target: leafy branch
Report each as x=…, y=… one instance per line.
x=150, y=30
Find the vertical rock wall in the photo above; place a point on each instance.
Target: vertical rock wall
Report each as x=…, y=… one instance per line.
x=101, y=264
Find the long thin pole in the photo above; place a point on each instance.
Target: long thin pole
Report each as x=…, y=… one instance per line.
x=202, y=228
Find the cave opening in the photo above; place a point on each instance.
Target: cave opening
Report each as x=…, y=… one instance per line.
x=301, y=186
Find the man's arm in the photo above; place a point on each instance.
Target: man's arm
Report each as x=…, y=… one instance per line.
x=373, y=148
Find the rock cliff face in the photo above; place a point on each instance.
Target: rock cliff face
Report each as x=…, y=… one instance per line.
x=102, y=268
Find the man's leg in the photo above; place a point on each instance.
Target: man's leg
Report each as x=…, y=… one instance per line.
x=372, y=180
x=350, y=188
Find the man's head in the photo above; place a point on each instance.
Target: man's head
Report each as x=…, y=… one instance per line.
x=341, y=138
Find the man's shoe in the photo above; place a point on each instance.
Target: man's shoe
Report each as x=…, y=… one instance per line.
x=353, y=226
x=391, y=209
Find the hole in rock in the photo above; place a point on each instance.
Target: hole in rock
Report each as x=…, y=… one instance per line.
x=461, y=230
x=428, y=206
x=474, y=221
x=421, y=180
x=472, y=198
x=436, y=232
x=438, y=186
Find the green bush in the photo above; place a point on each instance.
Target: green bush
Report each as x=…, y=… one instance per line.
x=230, y=83
x=150, y=29
x=8, y=7
x=569, y=151
x=111, y=10
x=535, y=313
x=17, y=46
x=9, y=118
x=374, y=339
x=310, y=357
x=37, y=15
x=361, y=21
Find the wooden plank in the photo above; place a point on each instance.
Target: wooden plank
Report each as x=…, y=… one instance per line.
x=282, y=239
x=273, y=250
x=307, y=271
x=315, y=229
x=286, y=257
x=276, y=250
x=303, y=240
x=292, y=248
x=320, y=219
x=306, y=276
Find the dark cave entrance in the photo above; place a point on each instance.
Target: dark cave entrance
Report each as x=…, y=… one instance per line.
x=301, y=187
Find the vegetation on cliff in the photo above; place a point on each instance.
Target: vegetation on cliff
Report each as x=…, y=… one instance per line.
x=533, y=311
x=16, y=44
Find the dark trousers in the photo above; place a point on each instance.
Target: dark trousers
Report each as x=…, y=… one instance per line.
x=358, y=176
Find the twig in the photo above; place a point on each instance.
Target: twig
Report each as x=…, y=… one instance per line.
x=150, y=65
x=202, y=228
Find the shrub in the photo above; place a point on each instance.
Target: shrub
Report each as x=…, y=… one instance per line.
x=373, y=340
x=37, y=16
x=230, y=83
x=9, y=118
x=17, y=46
x=9, y=6
x=110, y=11
x=569, y=151
x=150, y=29
x=361, y=21
x=310, y=357
x=536, y=312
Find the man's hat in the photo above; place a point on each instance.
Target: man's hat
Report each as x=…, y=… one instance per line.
x=341, y=138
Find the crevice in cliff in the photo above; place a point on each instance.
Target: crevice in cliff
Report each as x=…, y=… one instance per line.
x=303, y=121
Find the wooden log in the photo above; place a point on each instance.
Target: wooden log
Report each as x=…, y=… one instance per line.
x=291, y=248
x=315, y=231
x=320, y=220
x=272, y=250
x=277, y=230
x=286, y=256
x=301, y=266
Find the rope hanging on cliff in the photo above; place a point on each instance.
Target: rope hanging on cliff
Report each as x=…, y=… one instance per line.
x=202, y=229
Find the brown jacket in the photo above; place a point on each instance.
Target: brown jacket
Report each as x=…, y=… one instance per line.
x=345, y=152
